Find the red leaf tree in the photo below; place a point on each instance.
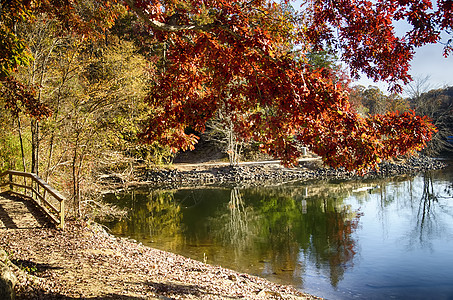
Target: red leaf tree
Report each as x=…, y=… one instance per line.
x=250, y=59
x=244, y=56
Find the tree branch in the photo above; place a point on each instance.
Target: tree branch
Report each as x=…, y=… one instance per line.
x=164, y=26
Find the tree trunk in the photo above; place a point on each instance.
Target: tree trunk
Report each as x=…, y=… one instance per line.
x=34, y=146
x=75, y=180
x=21, y=144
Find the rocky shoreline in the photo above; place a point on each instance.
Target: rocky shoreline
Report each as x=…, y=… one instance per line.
x=85, y=262
x=267, y=174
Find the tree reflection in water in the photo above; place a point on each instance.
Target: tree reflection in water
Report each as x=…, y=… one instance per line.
x=153, y=214
x=331, y=244
x=423, y=199
x=426, y=211
x=284, y=230
x=428, y=223
x=274, y=232
x=237, y=226
x=306, y=234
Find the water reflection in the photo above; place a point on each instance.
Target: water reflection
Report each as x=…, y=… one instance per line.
x=426, y=222
x=152, y=215
x=334, y=239
x=236, y=227
x=431, y=211
x=272, y=232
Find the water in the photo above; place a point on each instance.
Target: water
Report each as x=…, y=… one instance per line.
x=381, y=239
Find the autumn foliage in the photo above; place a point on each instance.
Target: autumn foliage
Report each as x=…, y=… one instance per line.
x=246, y=62
x=367, y=37
x=251, y=58
x=20, y=98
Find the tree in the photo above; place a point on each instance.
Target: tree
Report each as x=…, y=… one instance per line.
x=92, y=87
x=251, y=57
x=373, y=101
x=98, y=109
x=221, y=130
x=437, y=104
x=418, y=86
x=236, y=60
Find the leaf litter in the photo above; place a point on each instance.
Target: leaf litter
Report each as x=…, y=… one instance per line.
x=85, y=262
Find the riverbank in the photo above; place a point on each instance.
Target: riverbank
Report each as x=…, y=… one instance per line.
x=85, y=262
x=265, y=173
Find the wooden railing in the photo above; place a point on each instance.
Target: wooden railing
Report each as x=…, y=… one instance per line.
x=36, y=189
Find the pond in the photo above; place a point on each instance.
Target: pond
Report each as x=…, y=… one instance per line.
x=375, y=239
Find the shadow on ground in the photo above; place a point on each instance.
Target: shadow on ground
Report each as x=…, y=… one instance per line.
x=32, y=267
x=41, y=295
x=189, y=291
x=11, y=218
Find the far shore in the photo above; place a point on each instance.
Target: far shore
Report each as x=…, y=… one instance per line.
x=256, y=173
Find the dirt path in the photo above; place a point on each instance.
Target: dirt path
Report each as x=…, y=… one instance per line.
x=17, y=213
x=84, y=262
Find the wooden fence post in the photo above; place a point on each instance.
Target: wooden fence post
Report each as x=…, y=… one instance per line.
x=11, y=182
x=62, y=214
